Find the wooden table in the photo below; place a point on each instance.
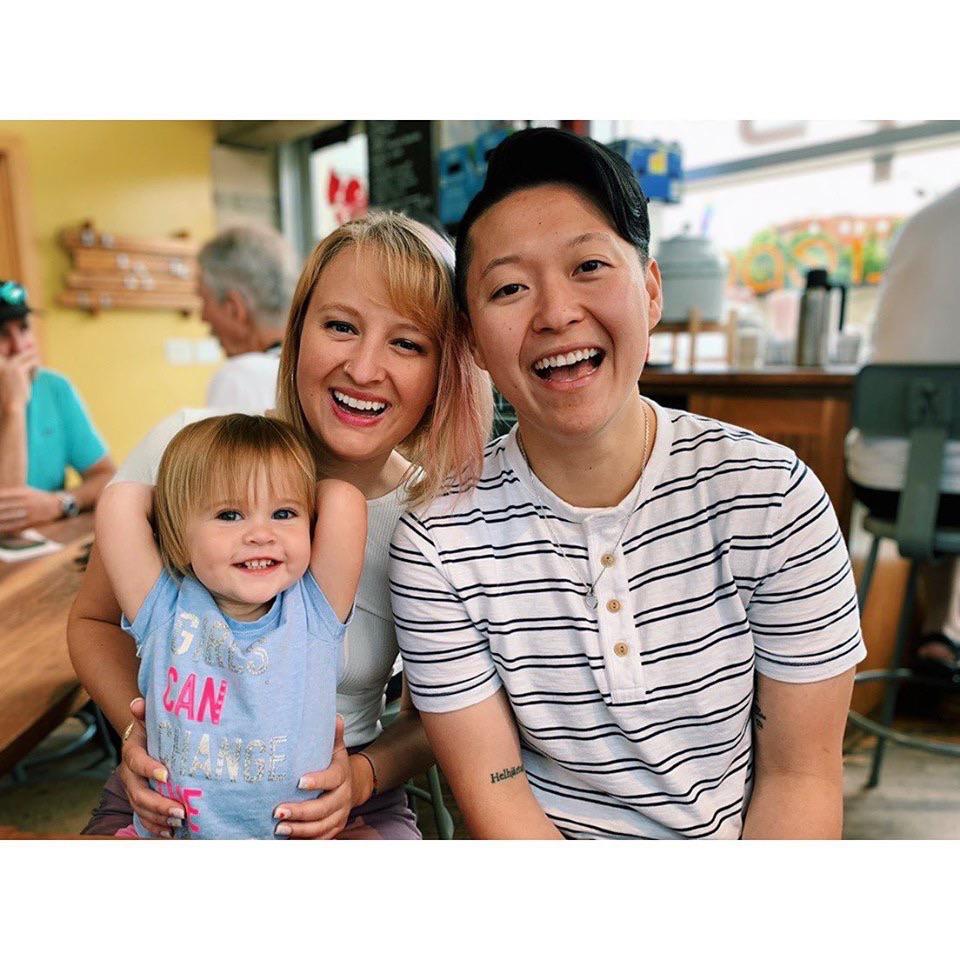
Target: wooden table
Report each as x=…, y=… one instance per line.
x=806, y=409
x=39, y=688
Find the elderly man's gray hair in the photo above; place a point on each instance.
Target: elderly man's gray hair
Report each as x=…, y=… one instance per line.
x=256, y=262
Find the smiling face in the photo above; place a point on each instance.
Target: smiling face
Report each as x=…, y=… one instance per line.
x=249, y=550
x=561, y=310
x=366, y=375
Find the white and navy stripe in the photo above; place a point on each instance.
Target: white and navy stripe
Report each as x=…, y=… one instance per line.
x=731, y=564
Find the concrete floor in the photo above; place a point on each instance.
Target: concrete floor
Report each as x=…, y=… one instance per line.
x=918, y=796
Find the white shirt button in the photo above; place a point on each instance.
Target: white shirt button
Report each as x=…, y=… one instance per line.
x=614, y=606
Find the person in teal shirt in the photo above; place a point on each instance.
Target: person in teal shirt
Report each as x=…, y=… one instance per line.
x=44, y=429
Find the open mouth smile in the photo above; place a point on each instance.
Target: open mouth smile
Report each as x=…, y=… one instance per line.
x=258, y=565
x=567, y=367
x=357, y=410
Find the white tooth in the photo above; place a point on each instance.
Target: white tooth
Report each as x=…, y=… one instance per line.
x=354, y=404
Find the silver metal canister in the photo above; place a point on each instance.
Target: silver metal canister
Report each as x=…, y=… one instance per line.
x=816, y=331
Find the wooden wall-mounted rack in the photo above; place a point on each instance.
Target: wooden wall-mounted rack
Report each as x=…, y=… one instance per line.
x=111, y=272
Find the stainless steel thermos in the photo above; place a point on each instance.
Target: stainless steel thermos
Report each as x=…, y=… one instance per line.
x=817, y=331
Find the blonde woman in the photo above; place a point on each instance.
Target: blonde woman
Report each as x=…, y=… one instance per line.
x=376, y=372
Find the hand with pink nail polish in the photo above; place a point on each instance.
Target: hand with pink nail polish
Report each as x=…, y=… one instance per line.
x=325, y=817
x=136, y=767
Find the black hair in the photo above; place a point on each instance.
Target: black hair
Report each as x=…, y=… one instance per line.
x=544, y=155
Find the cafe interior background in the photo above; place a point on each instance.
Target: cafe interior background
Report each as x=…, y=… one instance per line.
x=740, y=212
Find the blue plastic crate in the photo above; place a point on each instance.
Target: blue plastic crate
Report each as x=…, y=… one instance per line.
x=658, y=167
x=457, y=182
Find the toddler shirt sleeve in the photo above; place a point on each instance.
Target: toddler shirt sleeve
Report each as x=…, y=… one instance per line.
x=321, y=617
x=446, y=659
x=155, y=613
x=803, y=613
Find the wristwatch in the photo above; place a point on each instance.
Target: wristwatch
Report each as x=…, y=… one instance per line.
x=68, y=505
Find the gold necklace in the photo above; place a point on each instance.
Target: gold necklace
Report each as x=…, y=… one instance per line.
x=590, y=597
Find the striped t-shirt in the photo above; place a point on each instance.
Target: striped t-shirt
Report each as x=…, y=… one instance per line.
x=634, y=717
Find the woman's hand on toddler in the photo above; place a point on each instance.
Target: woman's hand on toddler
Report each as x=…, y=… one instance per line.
x=158, y=813
x=324, y=818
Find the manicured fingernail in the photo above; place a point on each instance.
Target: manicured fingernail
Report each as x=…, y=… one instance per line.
x=177, y=813
x=160, y=774
x=283, y=830
x=166, y=834
x=281, y=813
x=174, y=822
x=135, y=700
x=304, y=783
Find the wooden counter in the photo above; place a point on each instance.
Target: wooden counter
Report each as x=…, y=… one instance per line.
x=40, y=689
x=806, y=409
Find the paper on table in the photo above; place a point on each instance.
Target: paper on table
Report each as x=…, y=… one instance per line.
x=43, y=546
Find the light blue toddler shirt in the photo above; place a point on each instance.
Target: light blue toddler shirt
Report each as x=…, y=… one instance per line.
x=237, y=712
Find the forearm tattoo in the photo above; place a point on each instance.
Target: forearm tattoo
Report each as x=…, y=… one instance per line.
x=507, y=773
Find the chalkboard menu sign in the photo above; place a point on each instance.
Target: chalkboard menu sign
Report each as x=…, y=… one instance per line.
x=400, y=171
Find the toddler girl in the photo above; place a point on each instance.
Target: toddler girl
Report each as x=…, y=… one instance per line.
x=237, y=616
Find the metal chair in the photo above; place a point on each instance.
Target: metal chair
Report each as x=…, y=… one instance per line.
x=94, y=727
x=921, y=404
x=433, y=795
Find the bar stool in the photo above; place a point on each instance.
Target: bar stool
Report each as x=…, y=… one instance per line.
x=922, y=404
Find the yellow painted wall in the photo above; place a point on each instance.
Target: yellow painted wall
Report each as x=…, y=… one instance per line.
x=147, y=178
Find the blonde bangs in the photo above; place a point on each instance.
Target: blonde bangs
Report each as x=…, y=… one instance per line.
x=417, y=286
x=235, y=475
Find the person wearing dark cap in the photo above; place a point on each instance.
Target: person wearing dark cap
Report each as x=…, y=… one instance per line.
x=44, y=428
x=639, y=622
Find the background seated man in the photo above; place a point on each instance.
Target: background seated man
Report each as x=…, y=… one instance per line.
x=44, y=428
x=916, y=322
x=247, y=276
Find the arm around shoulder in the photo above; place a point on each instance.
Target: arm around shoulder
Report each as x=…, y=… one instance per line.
x=339, y=541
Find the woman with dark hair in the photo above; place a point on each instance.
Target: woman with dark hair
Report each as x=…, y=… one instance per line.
x=639, y=622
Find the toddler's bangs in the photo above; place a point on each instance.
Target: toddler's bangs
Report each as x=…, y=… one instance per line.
x=235, y=476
